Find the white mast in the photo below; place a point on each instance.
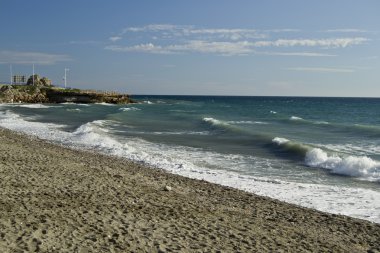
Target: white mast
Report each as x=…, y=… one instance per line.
x=66, y=77
x=10, y=68
x=33, y=74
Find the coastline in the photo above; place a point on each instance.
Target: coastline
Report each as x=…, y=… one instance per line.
x=58, y=199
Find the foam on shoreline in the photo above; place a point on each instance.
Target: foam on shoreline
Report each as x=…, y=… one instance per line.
x=96, y=136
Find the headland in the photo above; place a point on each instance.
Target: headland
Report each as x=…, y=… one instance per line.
x=40, y=90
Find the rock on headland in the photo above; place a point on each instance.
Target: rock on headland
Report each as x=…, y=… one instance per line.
x=41, y=91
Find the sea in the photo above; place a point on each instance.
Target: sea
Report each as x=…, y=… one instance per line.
x=321, y=153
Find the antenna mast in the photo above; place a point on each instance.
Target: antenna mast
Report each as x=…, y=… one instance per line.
x=66, y=77
x=10, y=68
x=33, y=74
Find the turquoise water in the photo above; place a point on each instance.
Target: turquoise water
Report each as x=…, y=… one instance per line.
x=322, y=153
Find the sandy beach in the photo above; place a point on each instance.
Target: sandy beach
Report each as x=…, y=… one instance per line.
x=55, y=199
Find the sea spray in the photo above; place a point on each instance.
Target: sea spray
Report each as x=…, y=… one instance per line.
x=362, y=167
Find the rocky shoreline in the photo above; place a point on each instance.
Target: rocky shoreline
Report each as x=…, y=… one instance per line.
x=55, y=199
x=44, y=94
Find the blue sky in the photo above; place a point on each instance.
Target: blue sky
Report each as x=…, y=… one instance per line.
x=210, y=47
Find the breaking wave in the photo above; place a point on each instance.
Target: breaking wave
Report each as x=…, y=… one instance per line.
x=361, y=167
x=126, y=109
x=200, y=164
x=215, y=122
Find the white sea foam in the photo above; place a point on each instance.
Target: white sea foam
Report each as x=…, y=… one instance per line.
x=213, y=121
x=106, y=104
x=280, y=141
x=360, y=148
x=248, y=122
x=71, y=103
x=183, y=133
x=74, y=110
x=273, y=112
x=362, y=167
x=185, y=111
x=210, y=166
x=126, y=109
x=295, y=118
x=321, y=122
x=148, y=102
x=35, y=106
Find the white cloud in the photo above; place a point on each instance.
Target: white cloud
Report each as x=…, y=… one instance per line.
x=229, y=48
x=305, y=54
x=170, y=39
x=220, y=48
x=286, y=30
x=16, y=57
x=346, y=30
x=115, y=38
x=84, y=42
x=155, y=28
x=144, y=48
x=190, y=31
x=323, y=69
x=327, y=43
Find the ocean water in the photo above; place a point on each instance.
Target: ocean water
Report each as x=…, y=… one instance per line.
x=322, y=153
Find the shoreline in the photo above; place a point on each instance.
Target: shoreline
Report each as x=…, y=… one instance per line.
x=59, y=199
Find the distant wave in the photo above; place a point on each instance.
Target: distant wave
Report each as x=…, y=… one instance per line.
x=293, y=148
x=71, y=103
x=215, y=122
x=359, y=129
x=126, y=109
x=321, y=122
x=74, y=110
x=35, y=106
x=183, y=133
x=103, y=103
x=295, y=118
x=196, y=163
x=248, y=122
x=361, y=167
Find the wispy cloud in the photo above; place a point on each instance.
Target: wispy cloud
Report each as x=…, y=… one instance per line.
x=180, y=39
x=85, y=42
x=142, y=48
x=323, y=69
x=16, y=57
x=191, y=31
x=346, y=30
x=326, y=43
x=115, y=38
x=304, y=54
x=214, y=47
x=220, y=48
x=373, y=57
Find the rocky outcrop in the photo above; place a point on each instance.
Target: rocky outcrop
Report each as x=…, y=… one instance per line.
x=44, y=81
x=62, y=96
x=10, y=94
x=43, y=94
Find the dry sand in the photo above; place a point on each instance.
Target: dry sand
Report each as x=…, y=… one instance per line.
x=55, y=199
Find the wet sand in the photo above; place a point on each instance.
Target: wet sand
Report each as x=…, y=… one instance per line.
x=55, y=199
